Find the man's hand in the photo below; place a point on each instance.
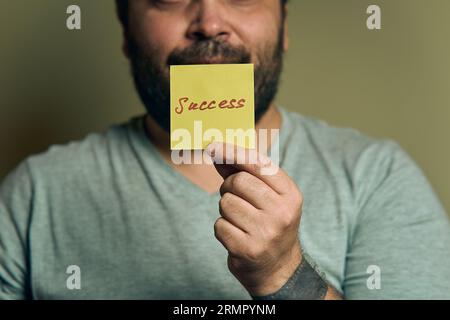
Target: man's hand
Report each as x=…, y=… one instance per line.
x=260, y=219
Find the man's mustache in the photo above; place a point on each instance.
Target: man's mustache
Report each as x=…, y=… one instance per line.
x=208, y=51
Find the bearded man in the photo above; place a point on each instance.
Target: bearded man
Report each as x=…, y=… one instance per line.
x=344, y=216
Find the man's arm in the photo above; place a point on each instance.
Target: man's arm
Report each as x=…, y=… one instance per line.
x=15, y=199
x=400, y=247
x=260, y=216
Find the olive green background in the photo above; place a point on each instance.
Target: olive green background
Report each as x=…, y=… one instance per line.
x=58, y=85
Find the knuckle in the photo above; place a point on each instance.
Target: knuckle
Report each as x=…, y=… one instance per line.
x=219, y=230
x=225, y=200
x=285, y=217
x=217, y=227
x=256, y=253
x=240, y=179
x=271, y=234
x=224, y=238
x=252, y=254
x=266, y=230
x=266, y=193
x=220, y=233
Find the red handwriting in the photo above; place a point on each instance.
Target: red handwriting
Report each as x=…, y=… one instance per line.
x=185, y=104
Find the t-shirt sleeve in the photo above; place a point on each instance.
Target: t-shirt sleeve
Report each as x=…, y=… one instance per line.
x=15, y=200
x=400, y=246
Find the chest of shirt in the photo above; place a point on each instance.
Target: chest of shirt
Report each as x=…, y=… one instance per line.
x=144, y=244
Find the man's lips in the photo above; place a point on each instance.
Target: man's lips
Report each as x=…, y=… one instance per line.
x=214, y=60
x=209, y=60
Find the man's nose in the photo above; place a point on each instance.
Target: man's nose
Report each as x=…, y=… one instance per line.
x=208, y=22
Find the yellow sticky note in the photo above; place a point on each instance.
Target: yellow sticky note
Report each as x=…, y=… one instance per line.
x=213, y=102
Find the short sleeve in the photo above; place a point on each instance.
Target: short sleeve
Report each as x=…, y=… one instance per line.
x=15, y=199
x=402, y=233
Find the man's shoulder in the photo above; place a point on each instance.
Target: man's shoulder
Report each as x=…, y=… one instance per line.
x=330, y=137
x=342, y=148
x=78, y=158
x=76, y=151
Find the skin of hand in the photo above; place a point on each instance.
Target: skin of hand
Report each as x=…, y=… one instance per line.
x=260, y=218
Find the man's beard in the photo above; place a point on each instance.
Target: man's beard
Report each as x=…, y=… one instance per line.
x=152, y=80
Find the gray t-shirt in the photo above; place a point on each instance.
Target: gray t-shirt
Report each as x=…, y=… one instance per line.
x=137, y=229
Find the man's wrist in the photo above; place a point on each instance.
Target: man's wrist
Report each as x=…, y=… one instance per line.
x=276, y=278
x=305, y=284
